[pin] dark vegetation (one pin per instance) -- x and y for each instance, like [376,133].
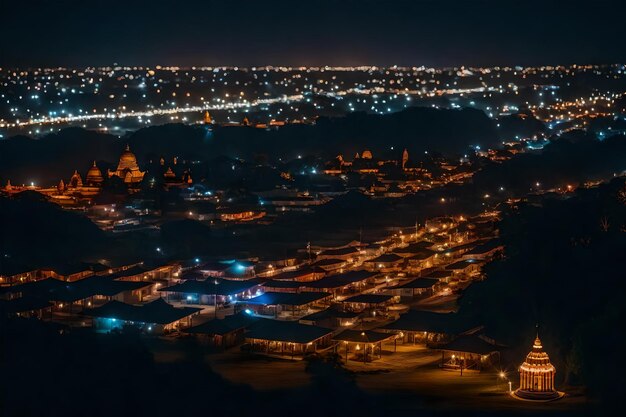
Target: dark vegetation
[563,269]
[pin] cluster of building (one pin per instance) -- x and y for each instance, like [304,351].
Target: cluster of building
[396,178]
[340,286]
[357,300]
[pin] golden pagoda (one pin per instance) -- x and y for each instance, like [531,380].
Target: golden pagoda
[127,168]
[94,176]
[536,376]
[207,118]
[169,175]
[76,181]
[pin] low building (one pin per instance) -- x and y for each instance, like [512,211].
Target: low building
[422,259]
[287,338]
[213,291]
[156,317]
[340,284]
[27,306]
[468,352]
[225,332]
[240,214]
[300,275]
[11,274]
[68,271]
[385,263]
[331,317]
[464,269]
[368,302]
[364,344]
[330,264]
[427,327]
[485,251]
[415,287]
[349,254]
[274,303]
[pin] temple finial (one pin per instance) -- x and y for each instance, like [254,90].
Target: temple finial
[537,343]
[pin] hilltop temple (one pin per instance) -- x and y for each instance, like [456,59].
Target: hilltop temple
[127,168]
[94,176]
[536,376]
[69,193]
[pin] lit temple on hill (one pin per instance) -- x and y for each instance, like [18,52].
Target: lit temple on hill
[536,376]
[66,193]
[127,168]
[94,176]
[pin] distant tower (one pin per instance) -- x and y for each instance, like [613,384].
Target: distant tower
[245,122]
[207,118]
[536,376]
[405,158]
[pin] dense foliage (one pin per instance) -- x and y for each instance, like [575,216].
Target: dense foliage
[563,269]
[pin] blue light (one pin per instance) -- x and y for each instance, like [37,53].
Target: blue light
[248,311]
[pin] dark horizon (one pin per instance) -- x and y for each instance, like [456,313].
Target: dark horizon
[349,33]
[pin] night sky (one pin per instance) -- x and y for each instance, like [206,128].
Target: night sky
[339,32]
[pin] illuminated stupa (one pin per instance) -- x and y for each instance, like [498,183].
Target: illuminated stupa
[536,376]
[76,181]
[127,168]
[94,176]
[169,175]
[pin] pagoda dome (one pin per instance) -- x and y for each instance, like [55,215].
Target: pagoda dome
[537,359]
[128,159]
[94,175]
[127,168]
[169,174]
